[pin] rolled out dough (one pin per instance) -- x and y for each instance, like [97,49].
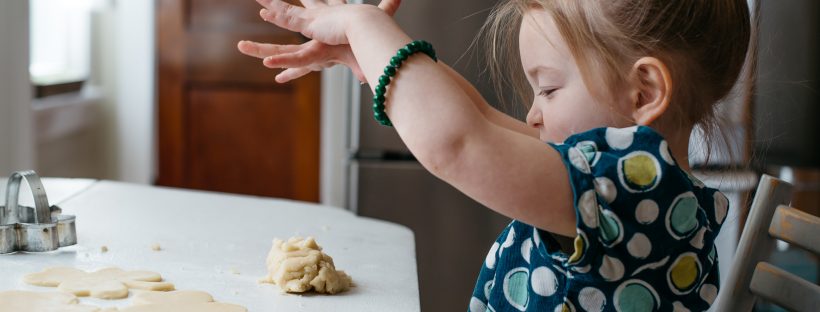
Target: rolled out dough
[179,301]
[299,265]
[108,283]
[19,300]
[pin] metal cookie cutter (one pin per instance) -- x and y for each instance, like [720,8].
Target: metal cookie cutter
[38,229]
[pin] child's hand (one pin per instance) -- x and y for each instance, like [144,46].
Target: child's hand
[313,55]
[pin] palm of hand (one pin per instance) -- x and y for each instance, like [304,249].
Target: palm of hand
[314,55]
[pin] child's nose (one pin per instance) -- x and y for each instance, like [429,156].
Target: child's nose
[534,117]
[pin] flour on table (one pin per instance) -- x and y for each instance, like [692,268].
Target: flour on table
[299,265]
[108,283]
[179,301]
[19,300]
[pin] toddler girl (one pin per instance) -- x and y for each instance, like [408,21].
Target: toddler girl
[615,89]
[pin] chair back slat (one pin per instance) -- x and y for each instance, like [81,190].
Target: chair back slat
[796,227]
[785,289]
[754,246]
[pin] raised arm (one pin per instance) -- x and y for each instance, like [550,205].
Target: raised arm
[514,174]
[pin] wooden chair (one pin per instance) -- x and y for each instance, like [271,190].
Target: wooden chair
[771,219]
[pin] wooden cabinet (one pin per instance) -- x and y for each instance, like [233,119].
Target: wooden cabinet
[224,124]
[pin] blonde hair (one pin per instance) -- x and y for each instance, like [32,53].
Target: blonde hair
[702,42]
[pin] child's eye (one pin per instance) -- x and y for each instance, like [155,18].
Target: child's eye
[547,92]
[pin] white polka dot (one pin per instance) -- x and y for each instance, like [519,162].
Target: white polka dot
[639,246]
[476,305]
[559,308]
[606,188]
[536,237]
[677,306]
[721,207]
[490,261]
[488,287]
[647,211]
[708,293]
[526,249]
[544,282]
[611,269]
[588,207]
[620,138]
[507,242]
[697,240]
[578,160]
[591,299]
[664,151]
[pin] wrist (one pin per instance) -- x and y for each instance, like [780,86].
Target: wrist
[365,17]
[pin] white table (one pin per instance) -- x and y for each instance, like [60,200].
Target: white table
[218,243]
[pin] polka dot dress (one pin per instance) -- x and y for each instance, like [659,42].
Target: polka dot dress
[645,236]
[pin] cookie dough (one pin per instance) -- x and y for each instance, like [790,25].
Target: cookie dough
[18,300]
[299,265]
[108,283]
[179,301]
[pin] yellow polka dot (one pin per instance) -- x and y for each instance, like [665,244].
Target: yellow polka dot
[640,170]
[580,245]
[685,272]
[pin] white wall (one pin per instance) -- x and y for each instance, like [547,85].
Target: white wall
[16,129]
[124,70]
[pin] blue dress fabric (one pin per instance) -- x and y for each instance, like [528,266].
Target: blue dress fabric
[645,235]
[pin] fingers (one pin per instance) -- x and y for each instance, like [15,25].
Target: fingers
[312,3]
[282,14]
[288,60]
[390,6]
[291,74]
[263,50]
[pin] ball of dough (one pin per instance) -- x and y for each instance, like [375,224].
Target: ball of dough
[299,265]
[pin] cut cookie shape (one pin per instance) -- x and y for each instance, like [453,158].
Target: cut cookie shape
[179,301]
[299,265]
[108,283]
[18,300]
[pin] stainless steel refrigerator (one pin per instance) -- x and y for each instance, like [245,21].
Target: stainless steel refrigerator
[453,232]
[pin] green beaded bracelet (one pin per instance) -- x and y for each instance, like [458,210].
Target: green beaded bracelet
[390,71]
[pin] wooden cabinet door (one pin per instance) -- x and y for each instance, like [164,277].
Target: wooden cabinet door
[224,124]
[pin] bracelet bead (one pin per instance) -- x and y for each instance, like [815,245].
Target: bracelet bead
[390,71]
[384,80]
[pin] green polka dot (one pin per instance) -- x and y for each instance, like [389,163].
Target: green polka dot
[610,228]
[636,296]
[682,216]
[515,288]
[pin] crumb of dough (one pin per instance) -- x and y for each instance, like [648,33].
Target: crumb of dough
[298,265]
[104,249]
[156,247]
[234,271]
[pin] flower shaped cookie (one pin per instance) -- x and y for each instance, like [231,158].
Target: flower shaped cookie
[109,283]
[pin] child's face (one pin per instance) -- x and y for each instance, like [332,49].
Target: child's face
[563,104]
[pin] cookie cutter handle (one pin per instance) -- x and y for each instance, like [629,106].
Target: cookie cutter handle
[42,213]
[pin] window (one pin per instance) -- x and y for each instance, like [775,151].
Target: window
[60,44]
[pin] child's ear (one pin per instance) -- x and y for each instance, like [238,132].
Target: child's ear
[651,90]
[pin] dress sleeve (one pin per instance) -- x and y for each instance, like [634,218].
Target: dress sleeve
[633,204]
